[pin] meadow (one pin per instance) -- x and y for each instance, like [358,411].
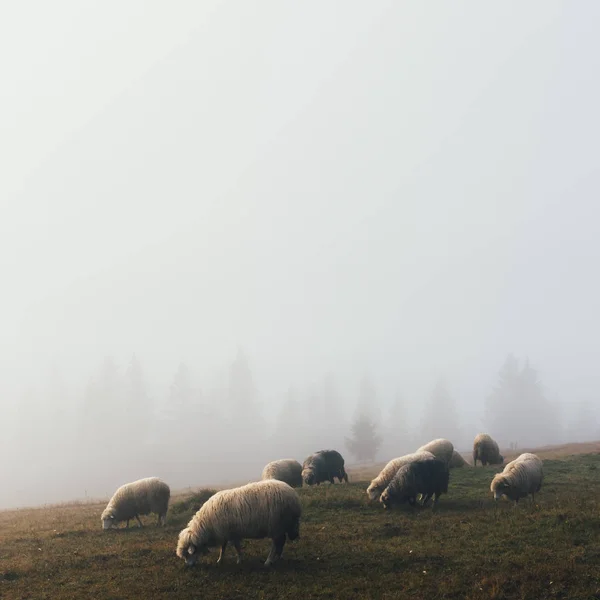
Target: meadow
[348,548]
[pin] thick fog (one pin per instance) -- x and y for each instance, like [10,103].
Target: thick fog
[232,232]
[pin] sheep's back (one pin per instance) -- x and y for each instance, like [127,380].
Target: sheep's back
[256,510]
[440,448]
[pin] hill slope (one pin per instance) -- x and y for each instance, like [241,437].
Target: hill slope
[469,548]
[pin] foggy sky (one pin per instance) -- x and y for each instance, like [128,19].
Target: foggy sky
[402,189]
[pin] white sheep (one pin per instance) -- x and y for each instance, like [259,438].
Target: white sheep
[387,473]
[521,477]
[440,448]
[485,449]
[268,508]
[286,469]
[142,497]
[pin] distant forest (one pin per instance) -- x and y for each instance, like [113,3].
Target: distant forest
[115,430]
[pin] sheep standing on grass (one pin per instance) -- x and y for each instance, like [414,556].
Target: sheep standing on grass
[440,448]
[324,466]
[257,510]
[457,461]
[521,477]
[485,449]
[428,477]
[387,473]
[142,497]
[286,469]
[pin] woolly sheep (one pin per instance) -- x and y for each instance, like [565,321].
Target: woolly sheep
[428,477]
[257,510]
[387,473]
[440,448]
[324,466]
[286,469]
[521,477]
[485,449]
[457,461]
[142,497]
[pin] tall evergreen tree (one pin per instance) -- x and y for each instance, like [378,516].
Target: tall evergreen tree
[440,417]
[399,439]
[517,410]
[365,441]
[138,409]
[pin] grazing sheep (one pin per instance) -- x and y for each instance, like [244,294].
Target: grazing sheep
[257,510]
[142,497]
[428,477]
[522,476]
[387,473]
[486,450]
[286,469]
[457,461]
[440,448]
[324,466]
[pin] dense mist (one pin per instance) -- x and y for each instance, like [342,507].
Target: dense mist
[234,232]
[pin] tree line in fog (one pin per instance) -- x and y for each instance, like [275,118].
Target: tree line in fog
[74,444]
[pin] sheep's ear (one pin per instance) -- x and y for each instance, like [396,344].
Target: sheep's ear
[191,549]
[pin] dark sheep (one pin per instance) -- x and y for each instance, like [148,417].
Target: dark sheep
[324,465]
[428,477]
[485,449]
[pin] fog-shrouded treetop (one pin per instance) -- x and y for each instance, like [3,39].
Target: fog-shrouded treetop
[288,196]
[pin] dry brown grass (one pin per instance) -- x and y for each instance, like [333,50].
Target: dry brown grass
[349,548]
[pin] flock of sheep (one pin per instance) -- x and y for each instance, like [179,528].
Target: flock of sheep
[271,508]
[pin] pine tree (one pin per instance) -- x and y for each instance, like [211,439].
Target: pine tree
[137,408]
[517,410]
[399,439]
[440,418]
[365,441]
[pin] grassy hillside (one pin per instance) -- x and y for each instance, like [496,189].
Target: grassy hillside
[348,548]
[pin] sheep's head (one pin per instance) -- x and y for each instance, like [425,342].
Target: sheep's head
[386,499]
[373,491]
[189,549]
[500,487]
[309,476]
[108,519]
[193,553]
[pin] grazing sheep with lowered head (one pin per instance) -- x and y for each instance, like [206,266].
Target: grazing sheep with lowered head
[286,469]
[521,477]
[257,510]
[485,449]
[142,497]
[387,473]
[324,466]
[428,477]
[440,448]
[457,461]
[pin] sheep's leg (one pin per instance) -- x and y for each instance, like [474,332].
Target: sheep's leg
[224,545]
[426,498]
[435,500]
[238,549]
[138,520]
[127,527]
[276,550]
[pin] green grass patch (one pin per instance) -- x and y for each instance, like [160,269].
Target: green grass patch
[469,548]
